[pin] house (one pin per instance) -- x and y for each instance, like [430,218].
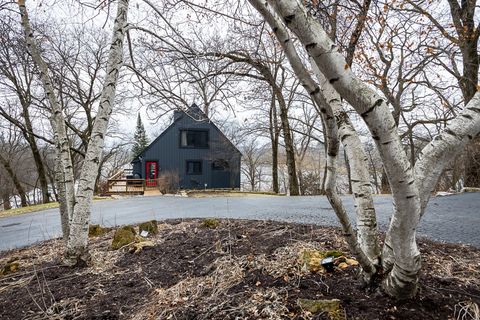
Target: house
[194,150]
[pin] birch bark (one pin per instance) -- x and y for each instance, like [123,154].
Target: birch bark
[403,278]
[77,250]
[330,109]
[400,255]
[438,153]
[57,120]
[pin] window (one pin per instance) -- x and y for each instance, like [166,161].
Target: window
[220,164]
[194,138]
[194,167]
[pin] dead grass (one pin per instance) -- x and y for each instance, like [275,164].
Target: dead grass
[23,210]
[38,207]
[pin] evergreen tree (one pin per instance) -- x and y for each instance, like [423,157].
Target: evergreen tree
[140,138]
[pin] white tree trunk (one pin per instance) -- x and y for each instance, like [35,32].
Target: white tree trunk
[360,176]
[56,119]
[402,280]
[61,191]
[440,151]
[366,219]
[77,250]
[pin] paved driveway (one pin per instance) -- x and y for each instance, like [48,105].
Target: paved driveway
[452,219]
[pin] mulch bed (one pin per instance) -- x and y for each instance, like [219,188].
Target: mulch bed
[239,270]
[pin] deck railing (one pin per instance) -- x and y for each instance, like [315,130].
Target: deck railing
[126,186]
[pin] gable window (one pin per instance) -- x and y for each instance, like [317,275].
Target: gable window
[194,138]
[194,167]
[220,164]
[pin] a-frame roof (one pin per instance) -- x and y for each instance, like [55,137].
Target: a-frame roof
[193,112]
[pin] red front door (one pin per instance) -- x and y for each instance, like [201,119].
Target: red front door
[151,174]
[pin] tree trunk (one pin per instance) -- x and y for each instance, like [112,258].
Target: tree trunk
[77,250]
[16,182]
[57,120]
[61,195]
[6,200]
[287,137]
[331,111]
[402,281]
[274,140]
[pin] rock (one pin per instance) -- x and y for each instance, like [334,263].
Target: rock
[311,260]
[95,230]
[331,307]
[211,223]
[150,226]
[470,189]
[123,236]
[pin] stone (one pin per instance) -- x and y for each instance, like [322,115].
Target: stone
[95,230]
[211,223]
[343,265]
[312,259]
[331,307]
[123,236]
[150,226]
[352,262]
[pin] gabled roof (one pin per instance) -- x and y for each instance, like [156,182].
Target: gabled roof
[197,114]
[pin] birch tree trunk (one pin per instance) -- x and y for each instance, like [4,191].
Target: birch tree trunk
[330,109]
[62,197]
[403,277]
[400,255]
[77,250]
[57,119]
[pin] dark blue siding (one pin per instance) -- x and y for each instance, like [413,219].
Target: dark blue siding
[166,151]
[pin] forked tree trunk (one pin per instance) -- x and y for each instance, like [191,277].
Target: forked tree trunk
[401,256]
[77,250]
[403,276]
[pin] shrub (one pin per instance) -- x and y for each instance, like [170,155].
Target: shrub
[168,182]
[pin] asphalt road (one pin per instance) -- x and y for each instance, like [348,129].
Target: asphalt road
[451,219]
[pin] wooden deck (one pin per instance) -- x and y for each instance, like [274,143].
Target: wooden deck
[126,186]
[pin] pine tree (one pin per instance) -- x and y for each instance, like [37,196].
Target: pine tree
[140,138]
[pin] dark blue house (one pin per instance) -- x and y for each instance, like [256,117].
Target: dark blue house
[194,150]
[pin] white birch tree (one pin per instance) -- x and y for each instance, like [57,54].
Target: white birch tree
[78,205]
[411,186]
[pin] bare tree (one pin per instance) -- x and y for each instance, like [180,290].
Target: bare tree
[78,211]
